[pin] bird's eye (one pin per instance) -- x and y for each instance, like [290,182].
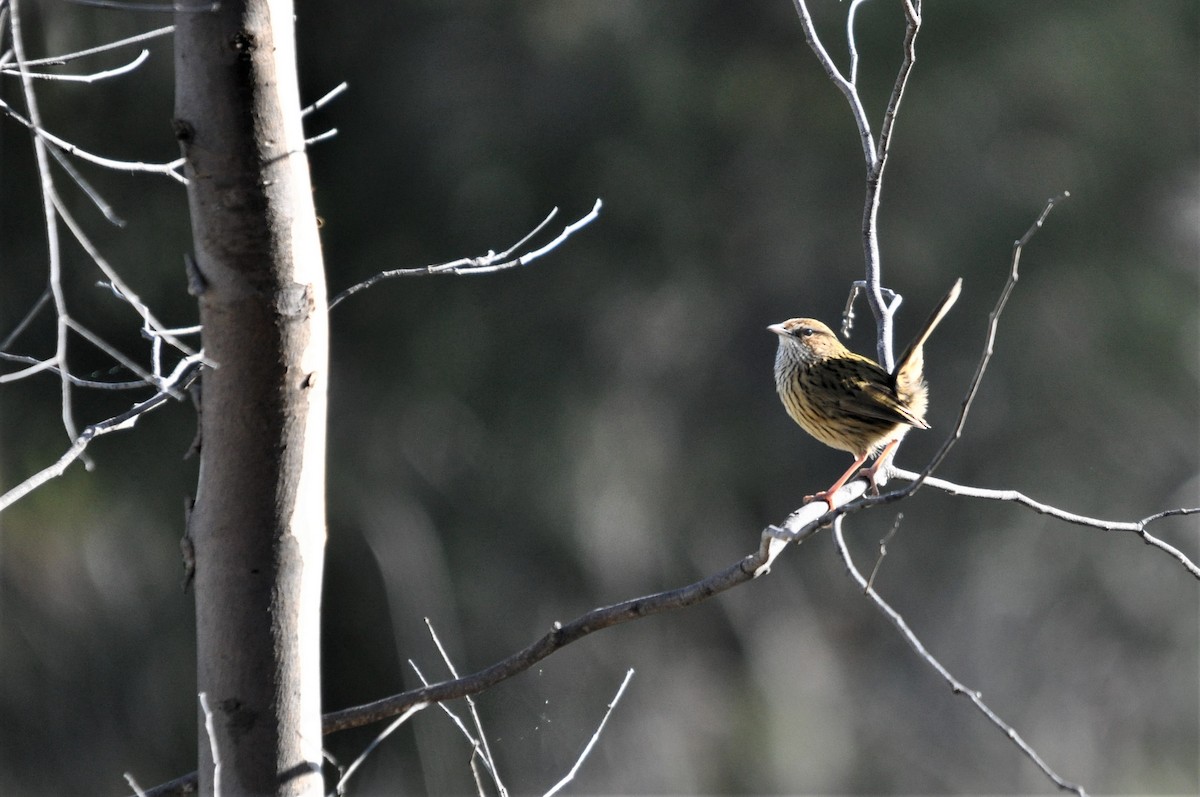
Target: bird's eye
[807,332]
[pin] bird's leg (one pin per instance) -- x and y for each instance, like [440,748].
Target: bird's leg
[827,495]
[881,461]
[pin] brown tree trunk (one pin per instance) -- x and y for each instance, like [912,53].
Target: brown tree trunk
[258,526]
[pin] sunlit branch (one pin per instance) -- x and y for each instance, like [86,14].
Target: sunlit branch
[1137,527]
[50,217]
[92,77]
[58,60]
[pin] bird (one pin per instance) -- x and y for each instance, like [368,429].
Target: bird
[848,401]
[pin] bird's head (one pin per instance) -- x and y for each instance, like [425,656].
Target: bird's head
[807,340]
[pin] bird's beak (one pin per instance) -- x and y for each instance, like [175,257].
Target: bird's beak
[778,329]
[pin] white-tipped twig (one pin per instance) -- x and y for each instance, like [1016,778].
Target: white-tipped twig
[91,77]
[570,776]
[484,264]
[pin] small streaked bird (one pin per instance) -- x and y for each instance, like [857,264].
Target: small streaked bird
[846,400]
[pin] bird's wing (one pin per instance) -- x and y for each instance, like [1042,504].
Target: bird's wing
[868,393]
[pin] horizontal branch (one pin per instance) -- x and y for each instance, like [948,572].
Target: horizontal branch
[740,572]
[1136,526]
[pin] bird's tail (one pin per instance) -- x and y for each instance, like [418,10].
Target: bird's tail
[912,362]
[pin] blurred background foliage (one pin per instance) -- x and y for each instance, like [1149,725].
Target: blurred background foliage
[511,450]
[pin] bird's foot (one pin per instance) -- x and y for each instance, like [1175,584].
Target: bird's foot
[824,495]
[871,474]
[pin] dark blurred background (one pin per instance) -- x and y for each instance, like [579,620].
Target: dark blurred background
[511,450]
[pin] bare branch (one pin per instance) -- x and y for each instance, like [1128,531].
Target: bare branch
[319,137]
[484,264]
[957,687]
[92,77]
[170,169]
[116,283]
[1137,527]
[847,87]
[183,375]
[883,543]
[37,366]
[559,637]
[740,572]
[58,60]
[105,209]
[111,351]
[874,154]
[53,244]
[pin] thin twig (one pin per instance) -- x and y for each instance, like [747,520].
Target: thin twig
[58,60]
[587,750]
[329,96]
[476,745]
[956,686]
[851,40]
[112,351]
[845,86]
[91,193]
[319,137]
[386,732]
[46,297]
[38,366]
[484,264]
[985,358]
[116,283]
[560,636]
[92,77]
[883,548]
[170,169]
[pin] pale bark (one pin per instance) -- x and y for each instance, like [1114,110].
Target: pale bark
[258,526]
